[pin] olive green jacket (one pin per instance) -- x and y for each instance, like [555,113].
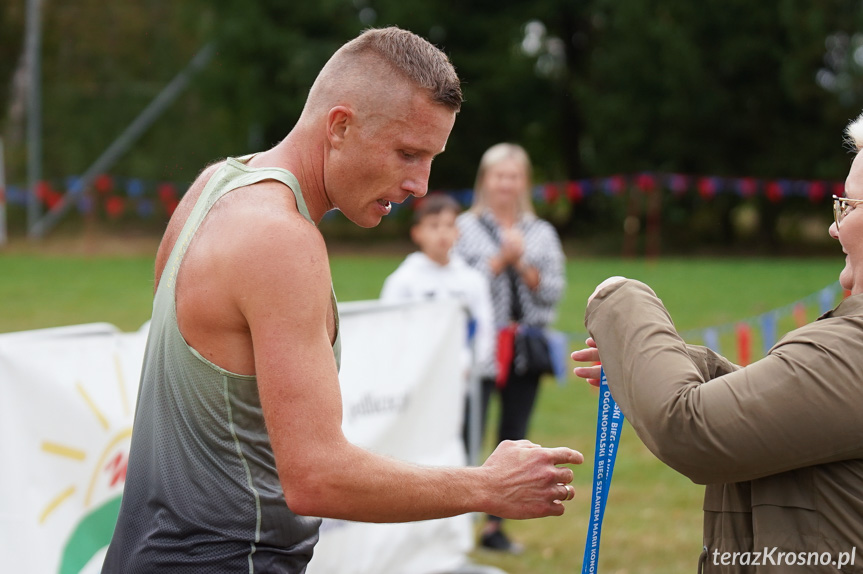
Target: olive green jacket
[778,443]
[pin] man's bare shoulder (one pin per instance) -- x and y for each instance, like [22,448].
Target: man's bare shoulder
[255,223]
[181,214]
[269,206]
[268,238]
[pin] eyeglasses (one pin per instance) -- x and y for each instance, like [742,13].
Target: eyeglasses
[842,206]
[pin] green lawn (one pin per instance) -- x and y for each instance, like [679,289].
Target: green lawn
[52,291]
[653,518]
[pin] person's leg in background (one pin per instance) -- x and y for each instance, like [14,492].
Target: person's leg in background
[487,388]
[516,406]
[517,399]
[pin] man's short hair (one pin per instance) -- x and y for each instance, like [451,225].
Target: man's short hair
[414,57]
[433,204]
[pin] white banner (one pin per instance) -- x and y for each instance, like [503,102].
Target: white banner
[68,398]
[403,388]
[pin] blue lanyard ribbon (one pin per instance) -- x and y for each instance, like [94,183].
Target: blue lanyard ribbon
[609,423]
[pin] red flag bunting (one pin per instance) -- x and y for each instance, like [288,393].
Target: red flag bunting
[744,344]
[551,193]
[706,187]
[773,191]
[103,184]
[574,191]
[47,194]
[817,190]
[800,315]
[167,192]
[114,206]
[646,183]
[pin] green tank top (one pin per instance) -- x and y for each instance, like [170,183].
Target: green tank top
[202,492]
[234,174]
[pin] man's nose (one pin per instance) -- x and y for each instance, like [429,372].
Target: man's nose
[418,185]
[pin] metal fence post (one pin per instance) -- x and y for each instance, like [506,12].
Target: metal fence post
[34,109]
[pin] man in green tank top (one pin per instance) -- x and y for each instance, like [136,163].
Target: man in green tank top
[237,441]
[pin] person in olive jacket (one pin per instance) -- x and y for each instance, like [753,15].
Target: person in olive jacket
[778,443]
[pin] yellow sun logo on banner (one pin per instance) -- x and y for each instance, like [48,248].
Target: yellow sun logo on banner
[100,496]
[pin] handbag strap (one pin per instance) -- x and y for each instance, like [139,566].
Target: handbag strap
[516,311]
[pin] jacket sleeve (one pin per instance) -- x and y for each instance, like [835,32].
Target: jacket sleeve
[797,407]
[473,244]
[548,259]
[395,289]
[710,363]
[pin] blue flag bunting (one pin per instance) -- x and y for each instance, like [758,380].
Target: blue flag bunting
[768,330]
[825,299]
[711,340]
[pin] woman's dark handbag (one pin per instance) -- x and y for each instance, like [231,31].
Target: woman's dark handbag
[532,354]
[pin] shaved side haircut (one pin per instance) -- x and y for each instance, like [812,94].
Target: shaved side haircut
[371,63]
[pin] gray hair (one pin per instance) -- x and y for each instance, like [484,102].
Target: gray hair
[854,134]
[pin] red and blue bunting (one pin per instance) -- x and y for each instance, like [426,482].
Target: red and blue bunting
[119,196]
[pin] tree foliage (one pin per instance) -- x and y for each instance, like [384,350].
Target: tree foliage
[592,88]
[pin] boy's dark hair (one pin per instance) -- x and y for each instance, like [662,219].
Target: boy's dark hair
[433,204]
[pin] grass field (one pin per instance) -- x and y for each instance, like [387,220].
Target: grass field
[653,519]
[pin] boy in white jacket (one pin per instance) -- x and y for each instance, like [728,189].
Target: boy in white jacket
[434,272]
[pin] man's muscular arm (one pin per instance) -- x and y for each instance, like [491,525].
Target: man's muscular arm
[282,288]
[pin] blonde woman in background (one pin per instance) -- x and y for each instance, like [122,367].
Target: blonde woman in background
[521,256]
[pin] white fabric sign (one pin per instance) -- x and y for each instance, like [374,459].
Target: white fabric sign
[403,389]
[67,399]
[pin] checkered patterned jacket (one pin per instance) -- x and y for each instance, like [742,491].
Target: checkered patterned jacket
[542,250]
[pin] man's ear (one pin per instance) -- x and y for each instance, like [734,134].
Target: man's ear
[338,120]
